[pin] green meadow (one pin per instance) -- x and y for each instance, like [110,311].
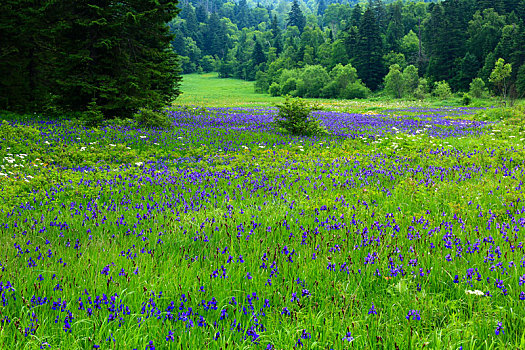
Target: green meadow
[401,229]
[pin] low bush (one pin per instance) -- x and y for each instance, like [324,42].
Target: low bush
[152,119]
[295,118]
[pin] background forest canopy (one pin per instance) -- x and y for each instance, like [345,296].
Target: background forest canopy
[320,48]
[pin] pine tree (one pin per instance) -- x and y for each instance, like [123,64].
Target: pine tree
[201,13]
[357,13]
[215,40]
[243,15]
[296,17]
[24,36]
[445,38]
[497,5]
[395,30]
[369,48]
[470,66]
[258,56]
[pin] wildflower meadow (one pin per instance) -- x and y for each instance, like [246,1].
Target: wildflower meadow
[402,228]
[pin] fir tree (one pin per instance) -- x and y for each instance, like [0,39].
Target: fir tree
[258,56]
[395,30]
[296,17]
[369,48]
[357,13]
[276,35]
[115,53]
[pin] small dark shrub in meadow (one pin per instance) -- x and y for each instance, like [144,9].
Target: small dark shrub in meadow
[466,99]
[294,117]
[152,119]
[93,115]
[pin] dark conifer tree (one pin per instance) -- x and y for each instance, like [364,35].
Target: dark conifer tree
[243,17]
[25,30]
[258,56]
[296,17]
[369,48]
[215,37]
[497,5]
[357,13]
[122,61]
[470,66]
[192,26]
[276,35]
[115,53]
[395,30]
[201,13]
[380,14]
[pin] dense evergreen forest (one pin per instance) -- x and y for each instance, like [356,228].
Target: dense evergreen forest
[330,49]
[108,58]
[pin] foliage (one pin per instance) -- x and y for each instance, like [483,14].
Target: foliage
[249,218]
[477,88]
[355,90]
[296,17]
[275,89]
[148,118]
[93,115]
[394,82]
[520,81]
[422,89]
[500,77]
[314,81]
[442,90]
[369,45]
[466,99]
[117,53]
[294,117]
[460,40]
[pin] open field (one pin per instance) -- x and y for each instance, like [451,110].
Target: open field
[402,229]
[208,90]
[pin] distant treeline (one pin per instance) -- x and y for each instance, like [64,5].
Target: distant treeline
[280,44]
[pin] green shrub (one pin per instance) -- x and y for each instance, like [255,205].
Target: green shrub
[93,115]
[442,90]
[274,89]
[288,86]
[294,117]
[315,78]
[477,88]
[356,90]
[152,119]
[466,99]
[422,89]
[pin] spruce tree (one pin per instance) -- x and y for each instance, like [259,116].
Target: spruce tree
[258,56]
[369,51]
[25,32]
[395,30]
[296,17]
[276,35]
[117,54]
[357,13]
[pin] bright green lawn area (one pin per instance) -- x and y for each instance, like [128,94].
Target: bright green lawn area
[209,90]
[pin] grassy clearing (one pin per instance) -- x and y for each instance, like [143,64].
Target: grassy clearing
[208,90]
[399,230]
